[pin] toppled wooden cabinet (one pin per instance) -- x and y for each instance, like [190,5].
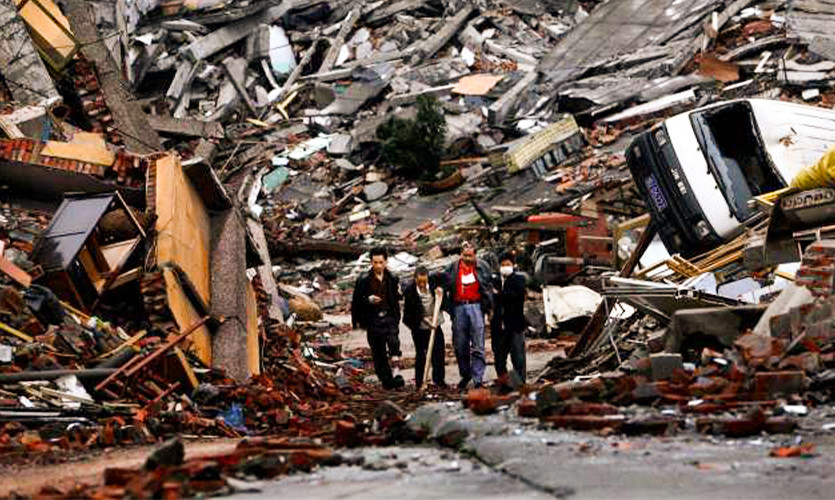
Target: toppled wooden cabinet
[87,246]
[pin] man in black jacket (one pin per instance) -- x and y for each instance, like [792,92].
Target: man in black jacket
[418,308]
[468,298]
[508,325]
[376,308]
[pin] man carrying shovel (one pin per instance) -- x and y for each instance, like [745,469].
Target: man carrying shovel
[421,313]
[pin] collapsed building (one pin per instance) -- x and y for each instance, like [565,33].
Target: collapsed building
[186,188]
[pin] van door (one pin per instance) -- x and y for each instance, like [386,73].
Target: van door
[736,156]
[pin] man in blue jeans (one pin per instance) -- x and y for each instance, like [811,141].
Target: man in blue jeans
[468,292]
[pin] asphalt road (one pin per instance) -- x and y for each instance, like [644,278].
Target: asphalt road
[510,457]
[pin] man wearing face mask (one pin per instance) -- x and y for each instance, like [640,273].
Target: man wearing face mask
[376,308]
[469,294]
[508,325]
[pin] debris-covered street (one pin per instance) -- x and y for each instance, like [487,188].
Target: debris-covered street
[417,248]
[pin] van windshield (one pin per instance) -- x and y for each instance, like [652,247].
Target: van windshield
[735,154]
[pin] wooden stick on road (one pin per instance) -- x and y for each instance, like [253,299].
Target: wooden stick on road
[435,315]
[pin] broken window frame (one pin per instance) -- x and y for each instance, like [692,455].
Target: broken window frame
[726,178]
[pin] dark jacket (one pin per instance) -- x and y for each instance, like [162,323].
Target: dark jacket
[485,285]
[362,311]
[413,311]
[509,304]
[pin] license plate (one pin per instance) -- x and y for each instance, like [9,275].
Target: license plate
[655,193]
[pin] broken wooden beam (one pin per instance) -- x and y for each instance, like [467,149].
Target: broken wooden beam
[684,57]
[17,333]
[402,99]
[133,370]
[11,270]
[182,81]
[297,71]
[265,270]
[339,40]
[235,69]
[758,46]
[436,42]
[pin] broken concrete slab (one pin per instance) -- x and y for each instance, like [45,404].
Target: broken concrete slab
[221,38]
[499,110]
[375,190]
[711,325]
[186,127]
[366,85]
[184,25]
[624,25]
[341,144]
[228,285]
[665,364]
[235,69]
[791,297]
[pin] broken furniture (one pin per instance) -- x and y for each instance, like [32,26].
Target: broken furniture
[87,247]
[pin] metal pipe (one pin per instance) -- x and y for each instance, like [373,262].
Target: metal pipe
[6,378]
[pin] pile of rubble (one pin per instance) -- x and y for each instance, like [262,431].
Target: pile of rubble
[187,186]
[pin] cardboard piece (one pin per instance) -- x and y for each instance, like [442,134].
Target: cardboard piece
[476,84]
[87,147]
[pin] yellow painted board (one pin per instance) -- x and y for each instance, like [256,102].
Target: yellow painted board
[186,315]
[183,228]
[85,146]
[48,33]
[190,376]
[253,345]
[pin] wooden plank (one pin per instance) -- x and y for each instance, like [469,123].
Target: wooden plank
[125,278]
[128,343]
[183,227]
[87,147]
[17,333]
[23,68]
[64,395]
[339,40]
[14,272]
[185,313]
[253,340]
[164,348]
[186,367]
[297,71]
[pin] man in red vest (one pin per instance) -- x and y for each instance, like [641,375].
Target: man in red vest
[468,291]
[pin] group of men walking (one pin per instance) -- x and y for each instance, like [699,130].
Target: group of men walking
[469,292]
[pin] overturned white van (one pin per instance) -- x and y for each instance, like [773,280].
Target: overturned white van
[697,170]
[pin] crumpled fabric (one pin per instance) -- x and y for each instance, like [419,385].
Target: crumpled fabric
[821,174]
